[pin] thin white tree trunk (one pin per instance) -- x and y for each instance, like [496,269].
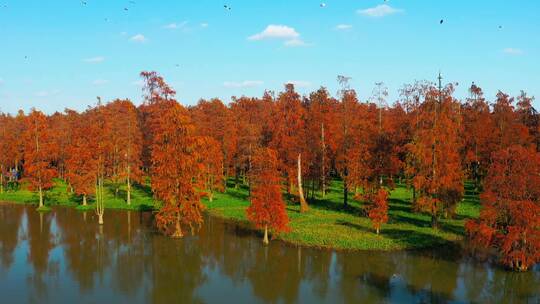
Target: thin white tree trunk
[265,239]
[303,204]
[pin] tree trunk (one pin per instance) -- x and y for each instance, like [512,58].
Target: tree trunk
[128,190]
[265,239]
[40,197]
[84,200]
[378,230]
[345,192]
[1,181]
[178,228]
[100,218]
[434,221]
[323,169]
[415,207]
[303,204]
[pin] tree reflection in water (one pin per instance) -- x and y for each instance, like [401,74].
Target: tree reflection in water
[64,256]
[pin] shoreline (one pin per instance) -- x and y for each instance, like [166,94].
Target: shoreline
[329,225]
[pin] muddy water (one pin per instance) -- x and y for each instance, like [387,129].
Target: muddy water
[64,257]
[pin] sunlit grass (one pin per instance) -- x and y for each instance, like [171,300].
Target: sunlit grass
[60,195]
[329,224]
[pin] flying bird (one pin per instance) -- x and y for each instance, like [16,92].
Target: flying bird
[500,27]
[83,2]
[225,6]
[126,9]
[441,22]
[322,5]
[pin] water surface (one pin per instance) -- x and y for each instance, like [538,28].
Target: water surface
[65,257]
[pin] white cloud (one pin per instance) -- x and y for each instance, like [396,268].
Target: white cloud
[295,43]
[173,26]
[138,38]
[100,82]
[204,25]
[98,59]
[513,51]
[379,11]
[273,31]
[243,84]
[47,93]
[343,27]
[299,83]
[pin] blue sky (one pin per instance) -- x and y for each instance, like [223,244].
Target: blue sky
[75,52]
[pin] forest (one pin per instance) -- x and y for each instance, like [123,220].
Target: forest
[287,150]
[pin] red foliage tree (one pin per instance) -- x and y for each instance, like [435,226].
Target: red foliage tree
[157,96]
[175,170]
[5,148]
[378,209]
[510,216]
[321,127]
[124,157]
[267,209]
[435,161]
[288,139]
[81,163]
[38,171]
[479,131]
[214,119]
[211,165]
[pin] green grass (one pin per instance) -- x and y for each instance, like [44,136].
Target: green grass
[329,224]
[59,195]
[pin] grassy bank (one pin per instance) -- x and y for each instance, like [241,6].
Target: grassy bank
[329,224]
[59,195]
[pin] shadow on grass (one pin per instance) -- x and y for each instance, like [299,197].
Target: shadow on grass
[144,188]
[414,239]
[237,194]
[415,221]
[456,229]
[352,225]
[328,204]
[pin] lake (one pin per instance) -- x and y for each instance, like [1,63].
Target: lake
[64,257]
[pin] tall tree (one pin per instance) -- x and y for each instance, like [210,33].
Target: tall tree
[509,129]
[175,170]
[5,160]
[157,95]
[212,118]
[126,144]
[288,139]
[378,209]
[267,209]
[434,154]
[510,218]
[321,127]
[352,147]
[479,139]
[211,165]
[38,171]
[81,162]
